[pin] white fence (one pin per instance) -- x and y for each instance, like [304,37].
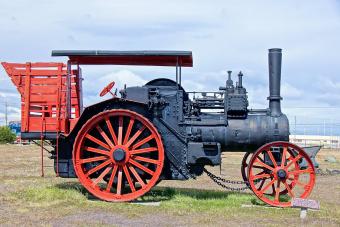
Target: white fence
[332,142]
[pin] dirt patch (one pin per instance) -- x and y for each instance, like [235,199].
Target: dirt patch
[100,218]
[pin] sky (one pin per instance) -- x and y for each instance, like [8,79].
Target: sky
[223,35]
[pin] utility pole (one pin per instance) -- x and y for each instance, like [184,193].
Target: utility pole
[6,113]
[295,127]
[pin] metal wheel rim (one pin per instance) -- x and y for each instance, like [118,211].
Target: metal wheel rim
[127,170]
[275,201]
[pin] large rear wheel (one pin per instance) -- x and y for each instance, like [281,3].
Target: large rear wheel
[118,155]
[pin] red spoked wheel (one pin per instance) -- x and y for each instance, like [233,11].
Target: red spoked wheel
[244,167]
[276,166]
[118,155]
[259,182]
[107,89]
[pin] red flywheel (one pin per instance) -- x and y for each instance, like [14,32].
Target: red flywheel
[275,175]
[118,155]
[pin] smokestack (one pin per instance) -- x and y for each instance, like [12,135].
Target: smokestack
[240,79]
[229,81]
[275,60]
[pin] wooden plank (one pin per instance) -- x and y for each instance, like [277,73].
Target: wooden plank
[38,72]
[44,89]
[50,80]
[43,98]
[35,124]
[47,64]
[27,97]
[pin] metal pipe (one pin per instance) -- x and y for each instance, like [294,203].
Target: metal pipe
[229,81]
[240,79]
[275,60]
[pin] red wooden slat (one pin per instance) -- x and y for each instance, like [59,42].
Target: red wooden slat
[36,72]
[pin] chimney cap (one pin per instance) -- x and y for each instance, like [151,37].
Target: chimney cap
[271,50]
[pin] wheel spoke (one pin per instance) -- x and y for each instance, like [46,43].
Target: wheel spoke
[273,189]
[141,167]
[127,174]
[268,185]
[283,160]
[95,159]
[128,131]
[259,176]
[139,179]
[291,193]
[293,161]
[143,150]
[263,164]
[120,130]
[309,170]
[262,183]
[98,167]
[258,167]
[271,158]
[143,159]
[135,136]
[140,143]
[96,150]
[106,138]
[277,191]
[119,182]
[97,141]
[113,174]
[101,176]
[112,132]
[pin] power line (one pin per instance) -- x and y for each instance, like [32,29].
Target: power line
[318,124]
[312,107]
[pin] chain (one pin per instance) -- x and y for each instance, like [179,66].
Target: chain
[221,182]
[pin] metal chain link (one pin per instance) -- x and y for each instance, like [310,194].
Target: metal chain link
[221,182]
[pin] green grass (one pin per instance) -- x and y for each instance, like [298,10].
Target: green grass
[207,206]
[176,201]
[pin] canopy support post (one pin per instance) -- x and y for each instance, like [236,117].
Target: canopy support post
[177,71]
[180,75]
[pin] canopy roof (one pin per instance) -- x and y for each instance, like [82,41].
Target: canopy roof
[108,57]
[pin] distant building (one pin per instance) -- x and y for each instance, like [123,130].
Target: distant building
[332,142]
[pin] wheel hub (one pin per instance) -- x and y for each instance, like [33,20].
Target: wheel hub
[119,155]
[281,174]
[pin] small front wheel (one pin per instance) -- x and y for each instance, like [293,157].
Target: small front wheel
[275,176]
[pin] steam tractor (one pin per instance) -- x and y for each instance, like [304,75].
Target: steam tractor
[121,147]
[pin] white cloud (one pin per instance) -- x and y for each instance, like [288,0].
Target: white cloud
[121,77]
[227,35]
[290,92]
